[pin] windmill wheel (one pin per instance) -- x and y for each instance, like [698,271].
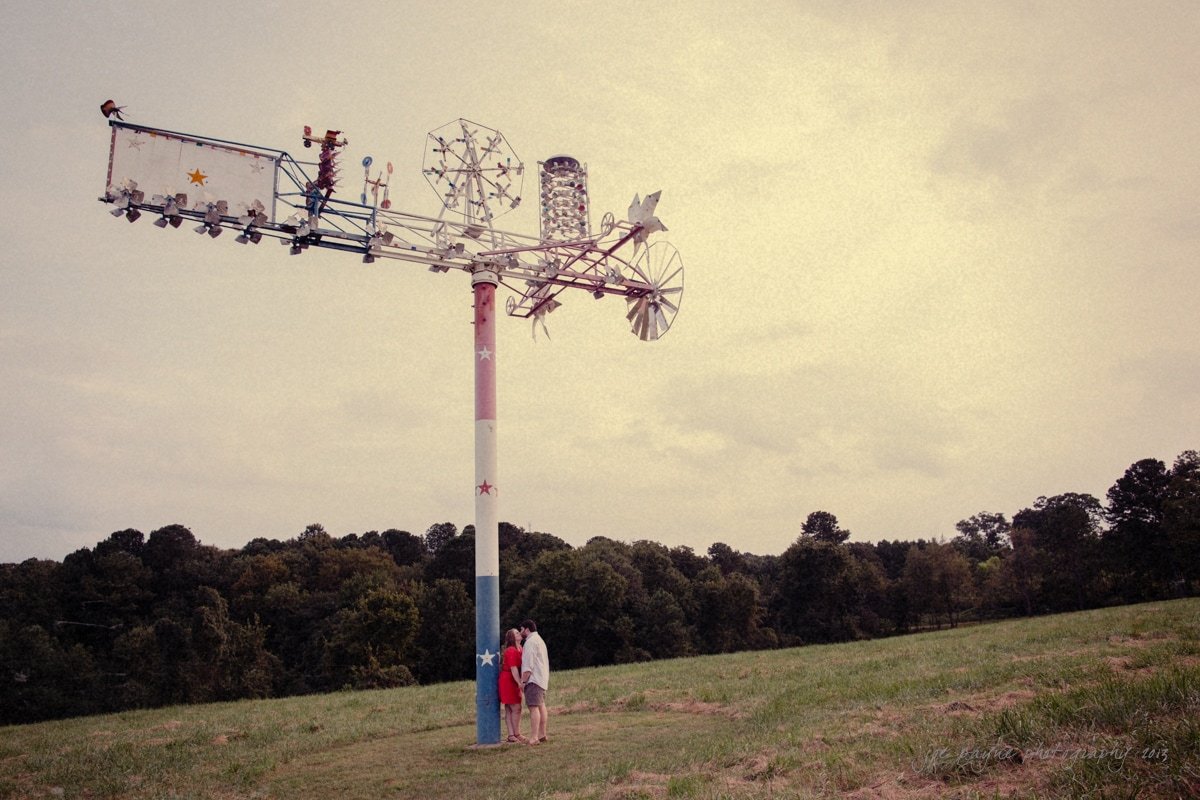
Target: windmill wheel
[652,310]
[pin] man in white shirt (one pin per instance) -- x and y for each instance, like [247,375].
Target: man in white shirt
[535,680]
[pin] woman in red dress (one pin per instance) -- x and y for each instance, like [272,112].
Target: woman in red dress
[510,685]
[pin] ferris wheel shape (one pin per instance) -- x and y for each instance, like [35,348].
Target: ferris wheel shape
[652,311]
[473,170]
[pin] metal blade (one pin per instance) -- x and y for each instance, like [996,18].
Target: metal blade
[661,319]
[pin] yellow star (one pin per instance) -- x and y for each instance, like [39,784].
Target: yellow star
[197,177]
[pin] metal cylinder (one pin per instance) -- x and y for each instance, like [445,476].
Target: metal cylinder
[564,199]
[487,526]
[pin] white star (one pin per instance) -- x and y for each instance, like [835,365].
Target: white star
[485,354]
[136,144]
[641,212]
[486,657]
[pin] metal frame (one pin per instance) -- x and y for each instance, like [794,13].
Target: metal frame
[537,271]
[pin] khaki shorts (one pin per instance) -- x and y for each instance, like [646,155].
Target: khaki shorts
[534,695]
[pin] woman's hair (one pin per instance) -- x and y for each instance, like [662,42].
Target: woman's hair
[511,637]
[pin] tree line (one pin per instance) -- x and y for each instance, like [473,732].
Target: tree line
[142,621]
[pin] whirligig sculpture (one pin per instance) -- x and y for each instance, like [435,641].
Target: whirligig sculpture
[265,193]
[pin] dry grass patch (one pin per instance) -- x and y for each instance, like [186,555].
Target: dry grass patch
[605,751]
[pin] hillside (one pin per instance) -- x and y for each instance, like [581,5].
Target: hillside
[1096,701]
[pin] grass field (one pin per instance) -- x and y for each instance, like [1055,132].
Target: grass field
[1096,704]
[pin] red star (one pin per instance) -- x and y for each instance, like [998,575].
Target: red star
[485,487]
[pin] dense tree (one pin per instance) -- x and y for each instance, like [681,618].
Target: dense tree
[142,621]
[228,660]
[581,597]
[1181,521]
[657,567]
[687,562]
[127,541]
[726,558]
[937,580]
[42,677]
[1066,531]
[455,560]
[404,548]
[32,592]
[982,536]
[316,536]
[817,598]
[892,556]
[731,612]
[662,628]
[369,643]
[1018,581]
[1137,546]
[437,535]
[823,527]
[874,613]
[446,644]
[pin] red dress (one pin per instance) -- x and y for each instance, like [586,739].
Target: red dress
[510,690]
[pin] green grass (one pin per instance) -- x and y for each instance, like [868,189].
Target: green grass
[1097,704]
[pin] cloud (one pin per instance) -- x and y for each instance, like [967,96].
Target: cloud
[1032,141]
[1168,380]
[939,258]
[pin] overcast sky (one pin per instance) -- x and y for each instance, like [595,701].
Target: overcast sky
[941,258]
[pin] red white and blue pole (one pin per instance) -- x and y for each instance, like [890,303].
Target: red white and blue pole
[487,520]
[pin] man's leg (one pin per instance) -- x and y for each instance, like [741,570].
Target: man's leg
[535,714]
[531,702]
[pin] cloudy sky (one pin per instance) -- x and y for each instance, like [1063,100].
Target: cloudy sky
[941,258]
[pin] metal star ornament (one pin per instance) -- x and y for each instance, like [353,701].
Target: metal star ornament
[641,213]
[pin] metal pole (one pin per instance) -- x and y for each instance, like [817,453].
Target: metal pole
[487,521]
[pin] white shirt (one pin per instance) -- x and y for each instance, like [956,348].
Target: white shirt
[536,661]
